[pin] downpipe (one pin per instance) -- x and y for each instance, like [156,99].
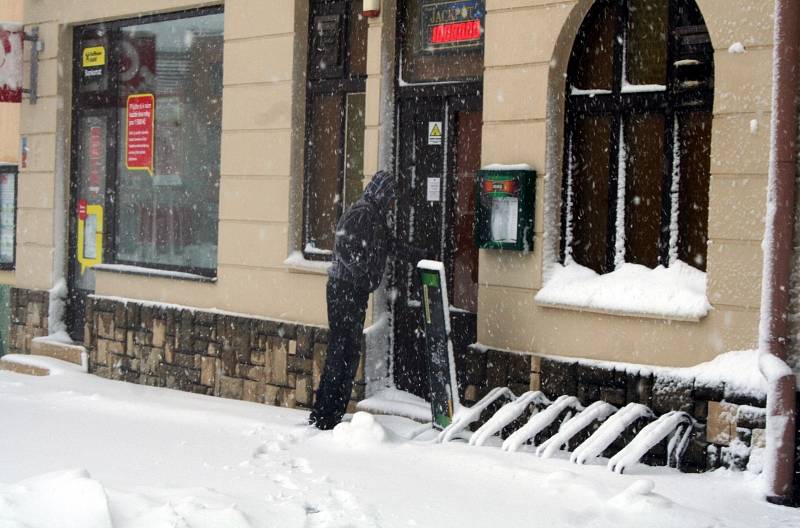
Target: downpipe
[779,461]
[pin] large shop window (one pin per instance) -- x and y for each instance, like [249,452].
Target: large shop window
[637,152]
[147,145]
[335,120]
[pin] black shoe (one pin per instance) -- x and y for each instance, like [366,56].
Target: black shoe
[322,425]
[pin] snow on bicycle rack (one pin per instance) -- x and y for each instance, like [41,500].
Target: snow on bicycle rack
[598,411]
[540,421]
[507,414]
[609,431]
[678,424]
[468,415]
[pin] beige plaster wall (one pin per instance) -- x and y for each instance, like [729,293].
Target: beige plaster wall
[527,47]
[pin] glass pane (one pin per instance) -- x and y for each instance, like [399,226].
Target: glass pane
[644,142]
[91,182]
[354,149]
[442,40]
[646,45]
[695,166]
[592,61]
[325,154]
[465,252]
[8,204]
[693,54]
[358,39]
[169,216]
[591,141]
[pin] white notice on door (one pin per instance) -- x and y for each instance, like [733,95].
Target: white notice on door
[434,189]
[434,132]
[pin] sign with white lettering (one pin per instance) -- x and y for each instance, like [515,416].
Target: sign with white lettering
[139,137]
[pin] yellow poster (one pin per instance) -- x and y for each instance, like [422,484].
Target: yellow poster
[94,57]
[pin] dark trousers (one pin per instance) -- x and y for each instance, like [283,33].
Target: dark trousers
[347,306]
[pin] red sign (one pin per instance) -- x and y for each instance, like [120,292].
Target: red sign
[500,186]
[139,135]
[10,63]
[82,206]
[96,158]
[456,32]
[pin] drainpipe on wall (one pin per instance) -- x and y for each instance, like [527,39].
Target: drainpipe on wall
[777,246]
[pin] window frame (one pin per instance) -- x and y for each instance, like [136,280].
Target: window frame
[320,86]
[12,169]
[618,106]
[107,101]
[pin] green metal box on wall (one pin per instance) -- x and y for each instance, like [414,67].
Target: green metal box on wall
[506,201]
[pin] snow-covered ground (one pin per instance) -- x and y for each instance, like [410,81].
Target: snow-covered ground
[84,452]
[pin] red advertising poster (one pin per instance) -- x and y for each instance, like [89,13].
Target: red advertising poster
[139,132]
[10,63]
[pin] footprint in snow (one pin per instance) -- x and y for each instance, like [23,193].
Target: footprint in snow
[284,481]
[301,465]
[270,448]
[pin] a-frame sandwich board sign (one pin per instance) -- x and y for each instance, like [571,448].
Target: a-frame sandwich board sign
[439,347]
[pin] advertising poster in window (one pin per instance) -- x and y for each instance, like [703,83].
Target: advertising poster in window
[10,63]
[139,132]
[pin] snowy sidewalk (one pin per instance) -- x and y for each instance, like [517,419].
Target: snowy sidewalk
[84,452]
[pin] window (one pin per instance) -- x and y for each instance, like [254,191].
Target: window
[638,136]
[335,116]
[148,95]
[8,215]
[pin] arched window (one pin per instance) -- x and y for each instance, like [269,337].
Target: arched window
[638,136]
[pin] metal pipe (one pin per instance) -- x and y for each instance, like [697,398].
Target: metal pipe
[777,245]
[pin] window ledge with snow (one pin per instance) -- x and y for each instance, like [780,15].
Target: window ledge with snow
[675,293]
[153,272]
[297,263]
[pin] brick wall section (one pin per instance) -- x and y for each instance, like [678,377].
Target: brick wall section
[28,318]
[264,361]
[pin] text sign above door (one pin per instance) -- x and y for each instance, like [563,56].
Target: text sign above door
[452,25]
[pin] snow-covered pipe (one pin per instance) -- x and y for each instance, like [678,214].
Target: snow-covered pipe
[777,246]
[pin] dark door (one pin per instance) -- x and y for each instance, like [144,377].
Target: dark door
[438,156]
[89,215]
[94,155]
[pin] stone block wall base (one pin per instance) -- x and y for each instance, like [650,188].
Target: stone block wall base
[255,360]
[29,309]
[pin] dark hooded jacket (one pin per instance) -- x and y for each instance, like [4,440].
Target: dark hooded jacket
[364,238]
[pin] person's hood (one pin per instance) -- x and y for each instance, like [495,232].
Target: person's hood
[381,190]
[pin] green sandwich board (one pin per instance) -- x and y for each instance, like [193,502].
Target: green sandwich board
[436,319]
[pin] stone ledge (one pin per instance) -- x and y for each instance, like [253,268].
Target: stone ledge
[21,368]
[56,350]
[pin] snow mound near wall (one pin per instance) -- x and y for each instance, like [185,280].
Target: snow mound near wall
[361,431]
[72,499]
[739,370]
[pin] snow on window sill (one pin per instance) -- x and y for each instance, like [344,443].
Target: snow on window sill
[676,293]
[152,272]
[297,263]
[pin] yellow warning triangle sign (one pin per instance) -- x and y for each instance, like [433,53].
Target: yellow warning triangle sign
[436,131]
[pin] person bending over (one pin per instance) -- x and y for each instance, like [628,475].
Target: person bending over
[363,241]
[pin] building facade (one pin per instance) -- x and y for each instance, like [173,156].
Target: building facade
[187,163]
